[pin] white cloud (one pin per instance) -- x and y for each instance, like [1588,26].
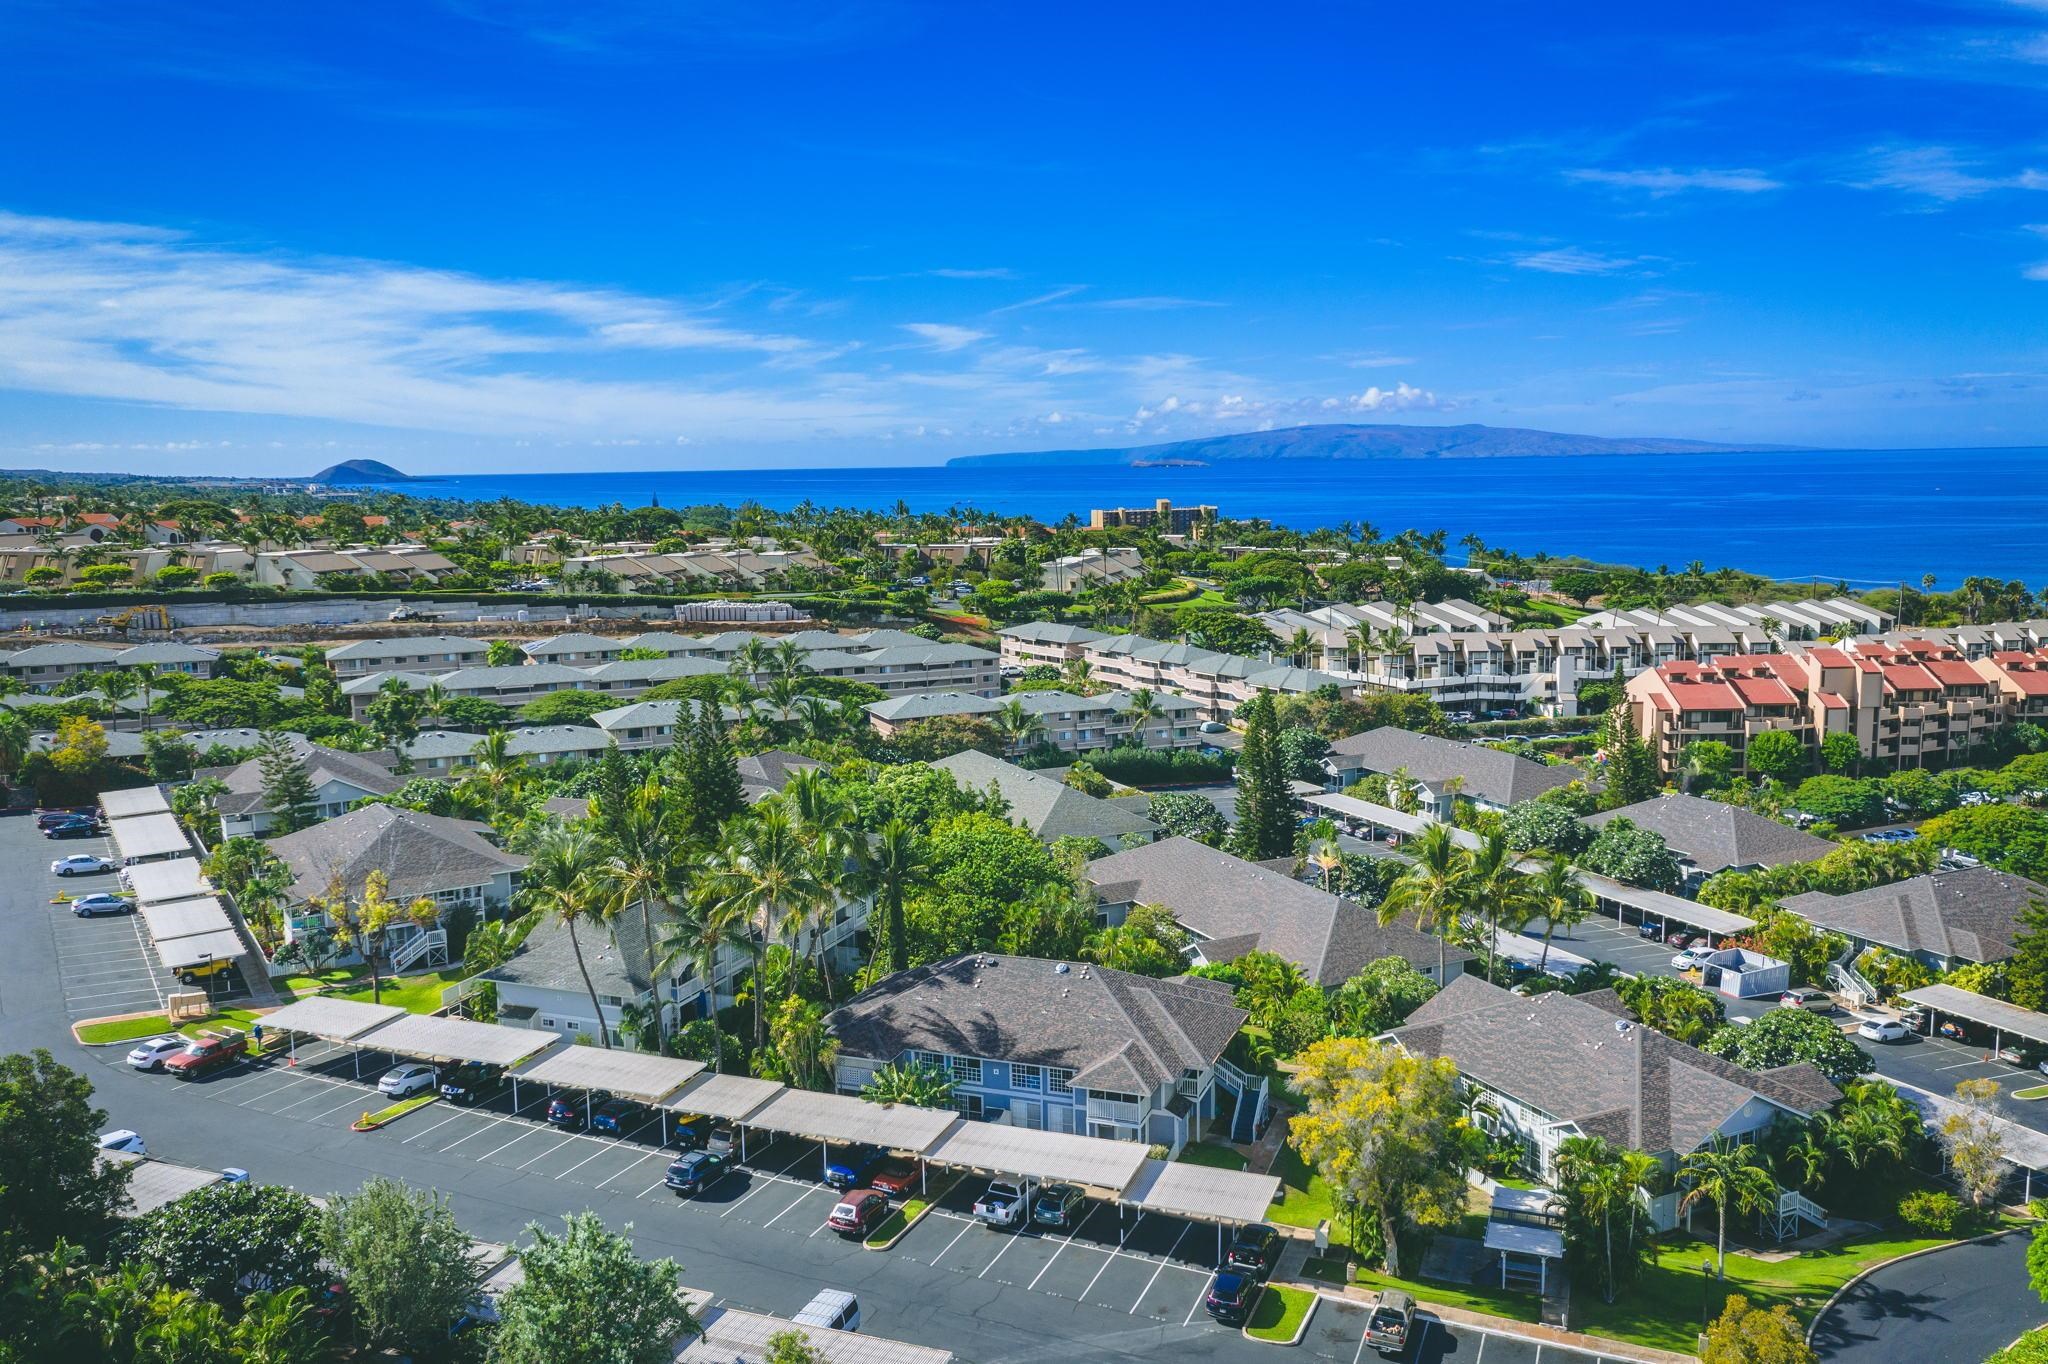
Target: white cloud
[1938,173]
[1664,180]
[2038,271]
[1572,260]
[1376,361]
[944,336]
[1402,397]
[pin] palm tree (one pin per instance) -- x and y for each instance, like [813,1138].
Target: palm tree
[767,872]
[817,718]
[1726,1175]
[565,880]
[434,701]
[706,927]
[1497,890]
[1563,901]
[822,813]
[117,685]
[496,772]
[1019,727]
[1432,889]
[1141,708]
[750,660]
[649,835]
[1075,674]
[1806,1158]
[1328,857]
[14,741]
[892,864]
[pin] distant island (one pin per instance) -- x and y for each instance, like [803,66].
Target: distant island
[359,471]
[1361,441]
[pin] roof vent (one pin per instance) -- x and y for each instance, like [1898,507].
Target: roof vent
[1059,968]
[1622,1026]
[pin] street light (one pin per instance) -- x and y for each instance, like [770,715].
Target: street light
[1706,1290]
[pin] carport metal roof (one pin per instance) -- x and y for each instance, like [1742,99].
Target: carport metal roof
[154,1183]
[220,945]
[149,836]
[1202,1193]
[2024,1146]
[838,1118]
[733,1098]
[156,883]
[1700,916]
[431,1037]
[142,800]
[1387,817]
[1992,1013]
[642,1075]
[331,1020]
[1518,1238]
[185,919]
[997,1148]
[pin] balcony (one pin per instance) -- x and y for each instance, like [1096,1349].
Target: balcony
[1115,1111]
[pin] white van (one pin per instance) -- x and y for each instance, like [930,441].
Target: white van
[834,1309]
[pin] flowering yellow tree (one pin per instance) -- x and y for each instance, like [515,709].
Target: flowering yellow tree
[1387,1131]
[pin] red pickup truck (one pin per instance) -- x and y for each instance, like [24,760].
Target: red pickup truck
[209,1052]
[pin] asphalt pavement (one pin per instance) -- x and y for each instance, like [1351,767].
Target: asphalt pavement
[1961,1304]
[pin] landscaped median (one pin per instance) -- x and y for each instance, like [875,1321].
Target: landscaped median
[903,1218]
[105,1032]
[1281,1315]
[370,1122]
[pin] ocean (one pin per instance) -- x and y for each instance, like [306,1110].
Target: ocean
[1866,517]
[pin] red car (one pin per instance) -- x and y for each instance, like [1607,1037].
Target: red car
[896,1178]
[859,1212]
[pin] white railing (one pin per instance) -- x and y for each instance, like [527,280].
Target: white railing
[421,946]
[1116,1111]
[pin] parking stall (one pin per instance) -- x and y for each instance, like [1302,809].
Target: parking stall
[642,1077]
[146,838]
[726,1098]
[837,1120]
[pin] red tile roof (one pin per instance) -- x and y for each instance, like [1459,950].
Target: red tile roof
[1764,691]
[1953,672]
[1829,658]
[1830,701]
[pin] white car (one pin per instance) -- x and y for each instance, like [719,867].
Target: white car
[121,1139]
[409,1079]
[83,864]
[152,1054]
[1684,961]
[1881,1030]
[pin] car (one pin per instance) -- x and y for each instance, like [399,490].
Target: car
[1881,1030]
[858,1212]
[78,828]
[1684,961]
[472,1082]
[89,906]
[848,1167]
[409,1079]
[1057,1205]
[1807,998]
[151,1054]
[896,1178]
[1214,727]
[1256,1248]
[81,864]
[208,1052]
[695,1171]
[46,818]
[1386,1330]
[1004,1203]
[1679,938]
[833,1309]
[200,970]
[615,1118]
[1230,1296]
[1646,929]
[2025,1055]
[688,1130]
[570,1110]
[121,1139]
[722,1140]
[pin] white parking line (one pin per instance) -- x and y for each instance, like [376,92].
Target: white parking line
[458,1113]
[612,1146]
[273,1093]
[616,1173]
[550,1151]
[1122,1237]
[956,1241]
[1202,1296]
[1162,1268]
[779,1216]
[760,1181]
[350,1102]
[1015,1237]
[492,1152]
[1068,1240]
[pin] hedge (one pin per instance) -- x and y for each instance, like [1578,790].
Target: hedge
[1147,767]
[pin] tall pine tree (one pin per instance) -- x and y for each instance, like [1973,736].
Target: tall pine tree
[1631,767]
[287,790]
[1265,806]
[712,770]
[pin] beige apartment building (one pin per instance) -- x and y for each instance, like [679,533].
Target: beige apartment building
[1162,513]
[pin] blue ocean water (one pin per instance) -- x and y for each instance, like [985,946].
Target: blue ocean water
[1867,517]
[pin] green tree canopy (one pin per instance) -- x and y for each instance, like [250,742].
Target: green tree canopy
[1636,855]
[223,1240]
[1782,1037]
[588,1299]
[52,1181]
[409,1267]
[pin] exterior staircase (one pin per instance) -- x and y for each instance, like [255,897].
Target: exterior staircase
[1845,980]
[1793,1208]
[428,947]
[1252,1101]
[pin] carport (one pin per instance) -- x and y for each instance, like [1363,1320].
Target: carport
[1363,816]
[1666,909]
[145,837]
[340,1021]
[1202,1193]
[159,883]
[198,949]
[434,1038]
[185,919]
[140,800]
[642,1076]
[1995,1014]
[1102,1168]
[154,1183]
[836,1119]
[726,1098]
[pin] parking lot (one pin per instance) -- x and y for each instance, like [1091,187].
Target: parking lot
[1337,1333]
[104,964]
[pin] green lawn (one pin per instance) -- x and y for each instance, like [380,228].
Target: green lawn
[2032,1092]
[1497,1302]
[401,1108]
[419,994]
[155,1025]
[1279,1313]
[1211,1154]
[1304,1198]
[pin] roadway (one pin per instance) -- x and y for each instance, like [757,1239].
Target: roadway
[1964,1303]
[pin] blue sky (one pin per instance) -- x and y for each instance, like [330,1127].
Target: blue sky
[504,234]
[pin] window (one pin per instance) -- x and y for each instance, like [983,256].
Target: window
[969,1105]
[1059,1081]
[966,1070]
[1027,1077]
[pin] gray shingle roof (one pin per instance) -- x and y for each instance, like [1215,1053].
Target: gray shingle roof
[925,705]
[409,646]
[1045,632]
[1970,914]
[1117,1032]
[1578,1060]
[166,651]
[1238,907]
[1489,773]
[1715,836]
[369,773]
[763,774]
[420,853]
[547,961]
[1051,809]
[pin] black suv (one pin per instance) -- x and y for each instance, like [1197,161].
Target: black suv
[472,1082]
[1230,1297]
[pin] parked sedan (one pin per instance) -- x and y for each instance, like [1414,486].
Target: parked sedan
[896,1178]
[1881,1030]
[81,864]
[1685,961]
[90,906]
[859,1212]
[848,1166]
[571,1110]
[409,1079]
[1230,1296]
[152,1054]
[77,828]
[472,1082]
[1255,1249]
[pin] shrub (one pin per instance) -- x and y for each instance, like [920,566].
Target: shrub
[1143,767]
[1931,1213]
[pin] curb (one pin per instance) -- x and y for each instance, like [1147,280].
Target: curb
[370,1122]
[1608,1347]
[1315,1300]
[1843,1291]
[931,1202]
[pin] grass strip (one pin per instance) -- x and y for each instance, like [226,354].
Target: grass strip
[156,1025]
[370,1122]
[896,1223]
[1327,1269]
[2035,1092]
[1279,1314]
[1210,1154]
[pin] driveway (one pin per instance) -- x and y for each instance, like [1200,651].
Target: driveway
[1963,1304]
